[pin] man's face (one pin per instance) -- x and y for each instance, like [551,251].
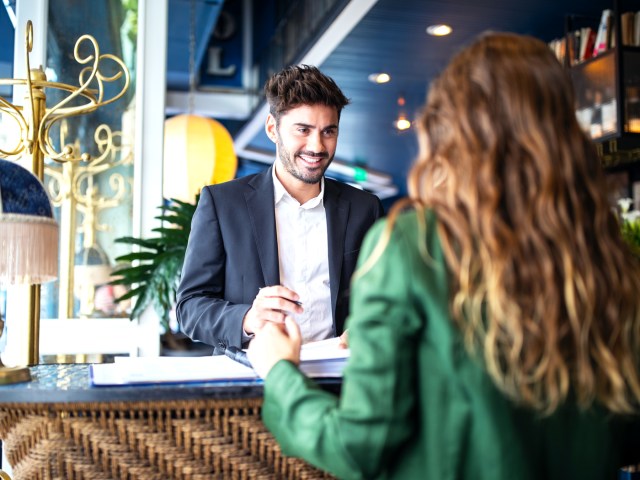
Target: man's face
[306,140]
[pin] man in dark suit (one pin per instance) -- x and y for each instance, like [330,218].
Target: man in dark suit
[282,242]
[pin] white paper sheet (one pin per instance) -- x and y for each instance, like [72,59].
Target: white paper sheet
[322,359]
[139,370]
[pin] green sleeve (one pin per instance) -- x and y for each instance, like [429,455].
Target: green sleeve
[358,434]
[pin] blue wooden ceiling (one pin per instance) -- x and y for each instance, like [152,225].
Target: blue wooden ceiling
[206,13]
[390,38]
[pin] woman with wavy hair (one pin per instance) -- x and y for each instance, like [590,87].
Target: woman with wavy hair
[495,325]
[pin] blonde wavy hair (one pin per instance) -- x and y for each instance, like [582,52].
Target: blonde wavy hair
[542,283]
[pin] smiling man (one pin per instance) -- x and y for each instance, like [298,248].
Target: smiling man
[282,242]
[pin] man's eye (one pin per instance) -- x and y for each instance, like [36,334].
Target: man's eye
[303,130]
[330,133]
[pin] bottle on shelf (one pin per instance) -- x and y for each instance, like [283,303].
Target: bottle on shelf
[596,116]
[584,111]
[632,112]
[609,112]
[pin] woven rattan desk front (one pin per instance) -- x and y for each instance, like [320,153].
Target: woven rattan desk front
[59,427]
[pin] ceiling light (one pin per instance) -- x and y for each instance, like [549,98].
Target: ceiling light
[439,30]
[402,123]
[379,77]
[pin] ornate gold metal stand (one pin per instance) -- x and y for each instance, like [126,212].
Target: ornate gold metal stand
[34,121]
[73,187]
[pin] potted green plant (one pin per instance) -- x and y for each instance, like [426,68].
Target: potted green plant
[630,225]
[152,272]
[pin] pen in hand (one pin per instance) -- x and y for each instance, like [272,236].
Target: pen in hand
[297,302]
[238,355]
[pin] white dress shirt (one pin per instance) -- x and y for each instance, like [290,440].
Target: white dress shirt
[303,251]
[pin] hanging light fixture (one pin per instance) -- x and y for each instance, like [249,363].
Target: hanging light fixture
[439,30]
[379,78]
[198,150]
[401,123]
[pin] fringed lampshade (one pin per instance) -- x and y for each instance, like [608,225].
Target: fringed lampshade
[28,240]
[28,231]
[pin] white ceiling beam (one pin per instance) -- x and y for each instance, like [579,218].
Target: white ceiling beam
[326,44]
[10,13]
[378,183]
[220,105]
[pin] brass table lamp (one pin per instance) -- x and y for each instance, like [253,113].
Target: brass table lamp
[28,239]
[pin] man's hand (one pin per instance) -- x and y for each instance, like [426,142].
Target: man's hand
[271,305]
[272,344]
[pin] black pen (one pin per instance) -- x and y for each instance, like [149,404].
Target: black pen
[240,356]
[297,302]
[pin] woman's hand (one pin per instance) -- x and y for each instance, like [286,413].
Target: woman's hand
[271,344]
[271,305]
[344,340]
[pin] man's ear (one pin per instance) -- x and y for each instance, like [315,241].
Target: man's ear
[270,128]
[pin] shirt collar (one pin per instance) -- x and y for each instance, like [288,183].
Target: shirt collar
[280,193]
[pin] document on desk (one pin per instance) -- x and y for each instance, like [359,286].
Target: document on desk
[322,359]
[141,370]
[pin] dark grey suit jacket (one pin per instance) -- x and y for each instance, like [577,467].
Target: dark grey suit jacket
[233,251]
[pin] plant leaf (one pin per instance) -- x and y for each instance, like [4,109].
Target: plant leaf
[130,257]
[151,243]
[156,274]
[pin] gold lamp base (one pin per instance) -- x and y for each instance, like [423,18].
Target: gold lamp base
[14,375]
[10,375]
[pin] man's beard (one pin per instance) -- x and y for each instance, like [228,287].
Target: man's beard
[288,161]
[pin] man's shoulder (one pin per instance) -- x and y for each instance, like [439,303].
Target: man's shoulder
[358,198]
[349,191]
[236,185]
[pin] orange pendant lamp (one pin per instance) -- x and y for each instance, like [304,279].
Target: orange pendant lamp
[198,151]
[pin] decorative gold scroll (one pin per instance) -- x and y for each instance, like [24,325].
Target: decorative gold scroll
[90,93]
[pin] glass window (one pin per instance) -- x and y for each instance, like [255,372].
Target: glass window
[92,195]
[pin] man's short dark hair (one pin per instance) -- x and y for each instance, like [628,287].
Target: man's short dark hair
[302,85]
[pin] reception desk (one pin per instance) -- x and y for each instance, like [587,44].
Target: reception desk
[60,427]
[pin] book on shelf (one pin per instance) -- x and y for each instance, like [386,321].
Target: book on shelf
[603,37]
[627,22]
[587,41]
[324,359]
[636,29]
[575,47]
[584,43]
[557,46]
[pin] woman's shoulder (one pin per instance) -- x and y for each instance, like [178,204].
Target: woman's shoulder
[407,223]
[410,234]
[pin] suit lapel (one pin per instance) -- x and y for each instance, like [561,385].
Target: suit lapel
[263,222]
[337,212]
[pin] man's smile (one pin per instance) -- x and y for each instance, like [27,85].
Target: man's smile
[311,159]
